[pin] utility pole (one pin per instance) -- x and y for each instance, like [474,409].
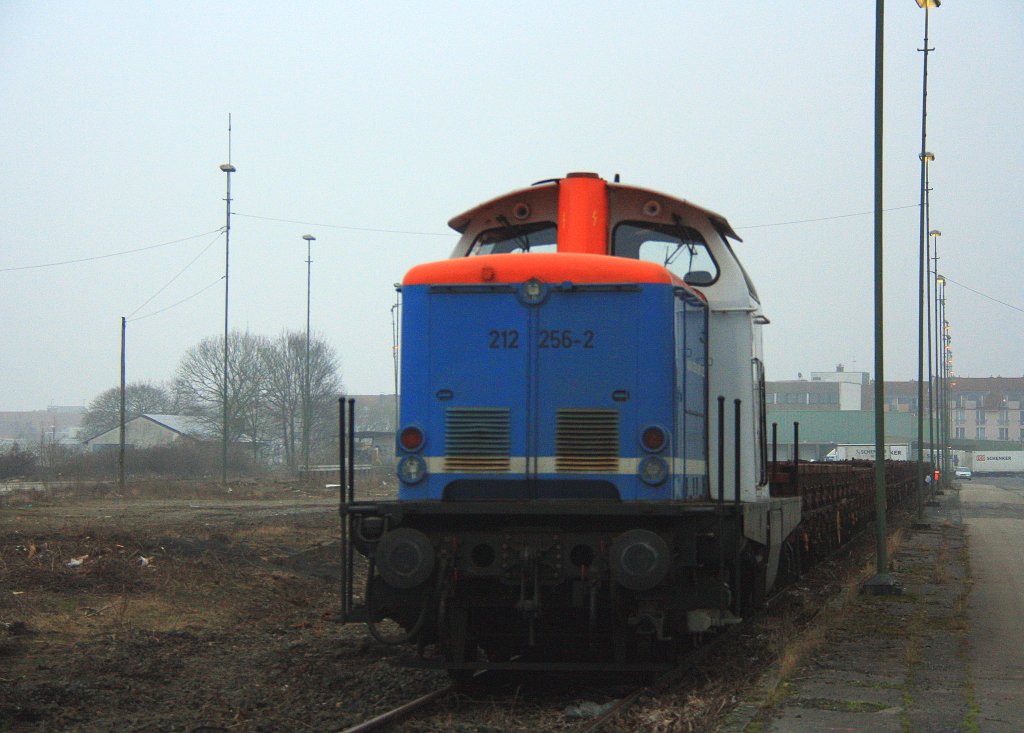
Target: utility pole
[925,157]
[881,583]
[306,402]
[934,375]
[120,453]
[228,169]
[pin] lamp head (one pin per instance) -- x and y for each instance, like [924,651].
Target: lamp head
[935,233]
[227,168]
[309,237]
[927,156]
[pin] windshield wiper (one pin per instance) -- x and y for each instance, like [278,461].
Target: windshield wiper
[523,240]
[684,241]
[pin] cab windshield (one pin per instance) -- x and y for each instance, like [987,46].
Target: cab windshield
[680,249]
[534,237]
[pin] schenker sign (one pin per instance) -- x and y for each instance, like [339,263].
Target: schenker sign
[1003,461]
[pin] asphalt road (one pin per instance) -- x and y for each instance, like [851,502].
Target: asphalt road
[993,509]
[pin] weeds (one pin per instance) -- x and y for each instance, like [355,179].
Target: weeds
[940,570]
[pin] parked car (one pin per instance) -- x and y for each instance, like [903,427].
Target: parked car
[964,473]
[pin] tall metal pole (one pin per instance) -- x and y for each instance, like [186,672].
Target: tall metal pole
[922,280]
[120,454]
[306,409]
[928,347]
[882,564]
[228,170]
[933,378]
[940,355]
[943,376]
[941,379]
[946,374]
[881,582]
[925,157]
[938,365]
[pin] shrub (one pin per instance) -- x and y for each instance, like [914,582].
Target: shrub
[16,463]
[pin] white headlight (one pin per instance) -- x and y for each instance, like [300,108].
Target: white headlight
[653,470]
[412,469]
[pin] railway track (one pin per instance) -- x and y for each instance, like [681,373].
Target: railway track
[399,713]
[662,682]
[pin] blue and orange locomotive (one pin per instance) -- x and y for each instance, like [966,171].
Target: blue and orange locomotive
[582,447]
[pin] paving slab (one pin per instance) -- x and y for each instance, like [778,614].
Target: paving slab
[888,662]
[993,510]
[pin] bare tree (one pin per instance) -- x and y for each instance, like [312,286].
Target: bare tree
[266,387]
[325,389]
[104,412]
[286,363]
[199,382]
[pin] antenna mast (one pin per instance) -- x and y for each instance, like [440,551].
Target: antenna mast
[228,170]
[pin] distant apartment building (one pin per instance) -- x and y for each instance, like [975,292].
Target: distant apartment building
[989,408]
[980,408]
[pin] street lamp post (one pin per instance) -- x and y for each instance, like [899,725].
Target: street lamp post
[922,262]
[944,393]
[922,268]
[934,374]
[306,406]
[228,170]
[121,411]
[881,582]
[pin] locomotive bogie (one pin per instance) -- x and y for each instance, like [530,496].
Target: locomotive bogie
[662,574]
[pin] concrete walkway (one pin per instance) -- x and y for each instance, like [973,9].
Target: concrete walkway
[994,513]
[905,662]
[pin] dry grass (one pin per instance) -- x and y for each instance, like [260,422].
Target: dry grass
[76,564]
[912,656]
[940,570]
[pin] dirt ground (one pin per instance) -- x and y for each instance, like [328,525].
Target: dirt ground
[182,607]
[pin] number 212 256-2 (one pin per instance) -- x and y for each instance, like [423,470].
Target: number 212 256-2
[547,338]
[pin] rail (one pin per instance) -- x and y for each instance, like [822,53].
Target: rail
[402,711]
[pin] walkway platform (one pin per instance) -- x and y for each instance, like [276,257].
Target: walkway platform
[906,662]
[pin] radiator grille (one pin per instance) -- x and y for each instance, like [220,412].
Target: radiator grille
[587,440]
[477,439]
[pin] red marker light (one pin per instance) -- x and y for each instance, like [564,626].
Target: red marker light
[411,438]
[653,438]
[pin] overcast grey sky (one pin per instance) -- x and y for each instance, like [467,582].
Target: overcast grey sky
[377,122]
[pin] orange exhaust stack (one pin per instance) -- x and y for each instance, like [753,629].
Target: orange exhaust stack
[583,214]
